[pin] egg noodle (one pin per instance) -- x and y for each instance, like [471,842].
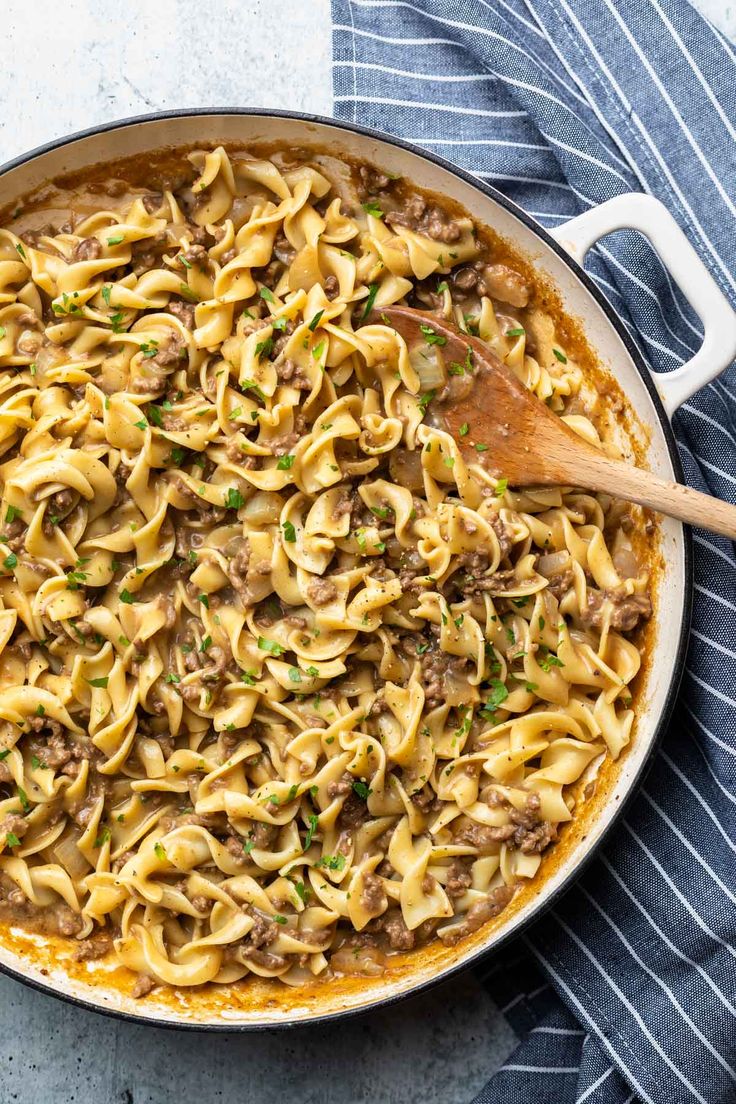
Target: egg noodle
[286,682]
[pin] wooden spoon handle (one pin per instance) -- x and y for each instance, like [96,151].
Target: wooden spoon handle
[673,499]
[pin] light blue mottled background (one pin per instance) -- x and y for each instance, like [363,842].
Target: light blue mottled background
[70,66]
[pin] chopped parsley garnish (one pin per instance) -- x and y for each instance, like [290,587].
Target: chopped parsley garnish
[116,239]
[295,674]
[248,677]
[515,332]
[251,385]
[312,672]
[154,416]
[332,862]
[372,293]
[284,463]
[23,798]
[126,597]
[313,820]
[177,455]
[12,840]
[497,696]
[186,293]
[11,561]
[279,919]
[360,538]
[372,208]
[381,512]
[267,294]
[270,646]
[431,337]
[442,286]
[160,851]
[12,513]
[424,401]
[501,486]
[289,532]
[457,369]
[481,448]
[172,678]
[21,250]
[67,305]
[204,600]
[549,660]
[560,356]
[362,789]
[264,348]
[302,891]
[206,643]
[315,321]
[464,429]
[233,499]
[100,683]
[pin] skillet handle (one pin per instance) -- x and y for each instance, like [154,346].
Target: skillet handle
[636,211]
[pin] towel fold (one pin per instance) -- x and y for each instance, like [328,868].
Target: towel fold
[626,991]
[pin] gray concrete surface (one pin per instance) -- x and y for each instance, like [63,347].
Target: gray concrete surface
[437,1049]
[70,66]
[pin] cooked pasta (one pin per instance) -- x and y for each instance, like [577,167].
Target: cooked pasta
[286,684]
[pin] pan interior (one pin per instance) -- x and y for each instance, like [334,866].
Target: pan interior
[261,1004]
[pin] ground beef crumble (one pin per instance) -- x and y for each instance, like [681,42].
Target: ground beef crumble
[626,610]
[426,219]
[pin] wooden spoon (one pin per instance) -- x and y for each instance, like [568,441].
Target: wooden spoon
[526,442]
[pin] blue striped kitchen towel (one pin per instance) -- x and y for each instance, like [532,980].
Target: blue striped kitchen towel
[627,990]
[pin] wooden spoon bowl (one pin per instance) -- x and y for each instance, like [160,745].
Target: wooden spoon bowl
[503,425]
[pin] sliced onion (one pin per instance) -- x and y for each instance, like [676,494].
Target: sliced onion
[553,563]
[358,961]
[626,563]
[428,364]
[405,468]
[71,858]
[263,508]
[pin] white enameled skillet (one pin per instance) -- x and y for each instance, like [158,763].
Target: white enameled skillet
[558,257]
